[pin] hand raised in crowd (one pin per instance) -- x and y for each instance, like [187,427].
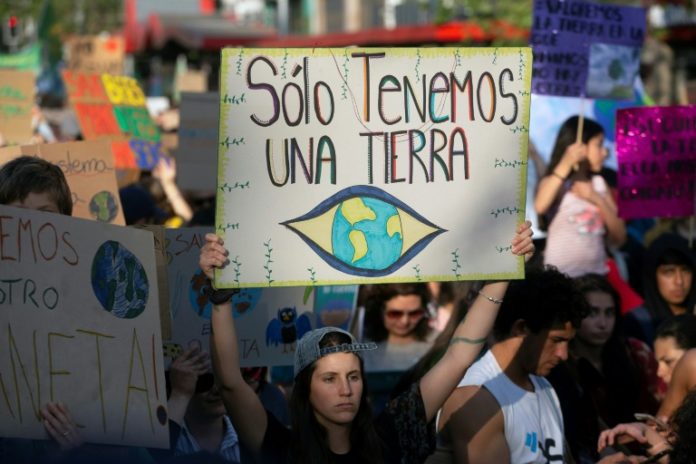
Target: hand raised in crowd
[185,369]
[60,425]
[213,255]
[183,376]
[573,155]
[165,170]
[522,243]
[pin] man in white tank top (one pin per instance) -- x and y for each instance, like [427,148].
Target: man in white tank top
[504,411]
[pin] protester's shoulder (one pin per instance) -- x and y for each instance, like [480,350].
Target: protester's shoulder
[685,371]
[688,360]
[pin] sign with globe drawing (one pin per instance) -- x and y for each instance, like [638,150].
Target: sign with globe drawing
[80,324]
[269,320]
[344,166]
[89,169]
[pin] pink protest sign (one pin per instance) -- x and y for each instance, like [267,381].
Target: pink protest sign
[656,151]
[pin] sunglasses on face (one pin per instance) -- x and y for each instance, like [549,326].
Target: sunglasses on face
[395,314]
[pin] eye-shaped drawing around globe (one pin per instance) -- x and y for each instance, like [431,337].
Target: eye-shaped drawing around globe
[348,166]
[364,231]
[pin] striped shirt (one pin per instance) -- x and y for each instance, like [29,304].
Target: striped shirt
[228,450]
[575,241]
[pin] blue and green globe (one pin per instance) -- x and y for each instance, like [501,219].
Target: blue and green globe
[367,233]
[119,280]
[103,207]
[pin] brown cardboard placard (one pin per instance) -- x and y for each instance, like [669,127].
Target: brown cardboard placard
[96,54]
[89,169]
[17,90]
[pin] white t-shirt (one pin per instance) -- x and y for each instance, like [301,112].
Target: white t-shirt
[533,420]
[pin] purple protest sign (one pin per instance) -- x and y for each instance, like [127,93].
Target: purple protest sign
[656,151]
[563,34]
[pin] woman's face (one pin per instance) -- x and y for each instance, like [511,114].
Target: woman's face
[336,388]
[402,314]
[674,282]
[667,354]
[596,328]
[596,152]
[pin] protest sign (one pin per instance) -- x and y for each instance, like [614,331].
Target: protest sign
[196,155]
[334,305]
[656,149]
[190,81]
[96,54]
[574,39]
[89,170]
[158,234]
[340,166]
[16,102]
[28,59]
[80,325]
[114,106]
[92,107]
[268,321]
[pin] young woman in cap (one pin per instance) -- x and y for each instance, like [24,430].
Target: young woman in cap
[331,418]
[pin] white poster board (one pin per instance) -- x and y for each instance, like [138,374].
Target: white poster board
[340,166]
[268,321]
[58,340]
[196,154]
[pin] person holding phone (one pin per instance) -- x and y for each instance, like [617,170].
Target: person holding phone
[674,446]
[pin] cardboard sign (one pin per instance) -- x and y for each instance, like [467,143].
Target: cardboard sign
[80,324]
[158,234]
[17,90]
[342,166]
[89,170]
[656,150]
[196,155]
[191,81]
[574,39]
[114,107]
[96,54]
[268,321]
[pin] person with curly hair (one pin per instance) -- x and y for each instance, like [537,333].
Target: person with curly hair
[504,410]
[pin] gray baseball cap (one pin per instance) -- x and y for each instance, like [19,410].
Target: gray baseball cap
[308,349]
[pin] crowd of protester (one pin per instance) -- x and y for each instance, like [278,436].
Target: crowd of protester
[480,364]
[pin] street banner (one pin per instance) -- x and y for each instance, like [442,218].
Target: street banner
[80,325]
[656,150]
[346,166]
[586,49]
